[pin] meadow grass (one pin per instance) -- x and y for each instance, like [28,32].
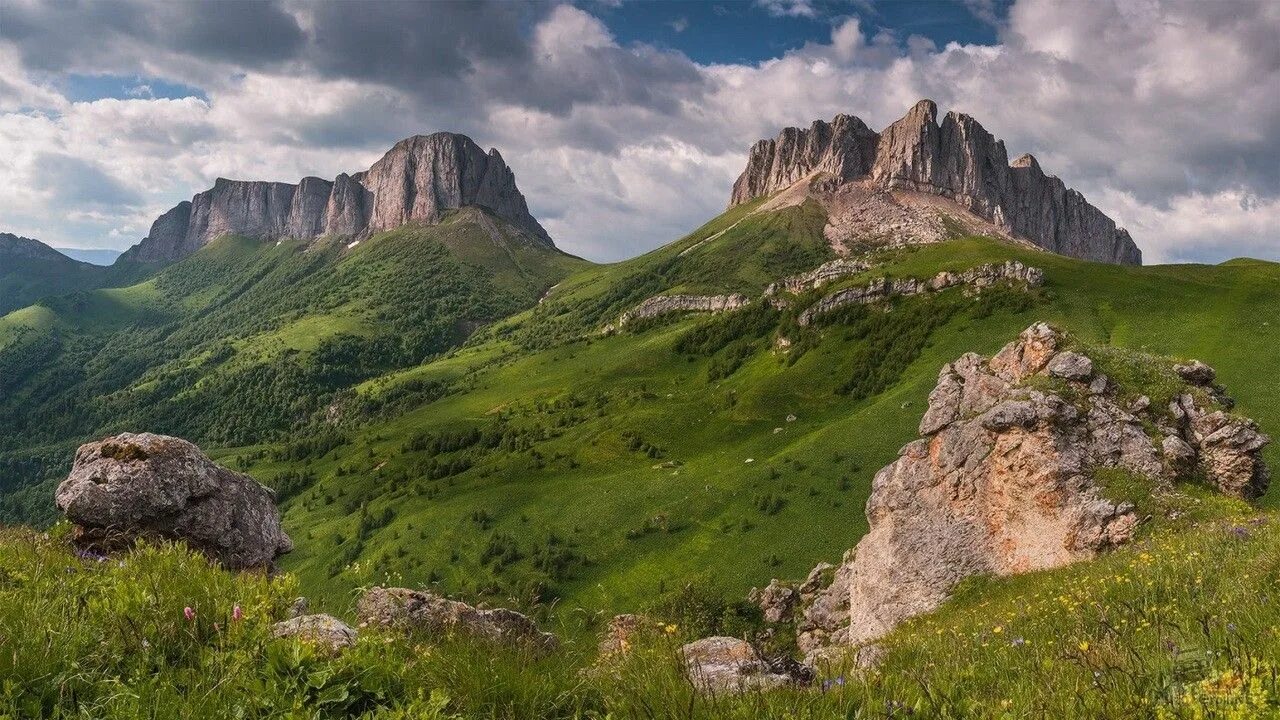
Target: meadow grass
[1182,623]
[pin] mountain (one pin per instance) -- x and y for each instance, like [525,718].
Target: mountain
[91,256]
[420,179]
[30,270]
[867,179]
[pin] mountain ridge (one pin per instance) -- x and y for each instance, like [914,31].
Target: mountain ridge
[419,179]
[956,159]
[31,270]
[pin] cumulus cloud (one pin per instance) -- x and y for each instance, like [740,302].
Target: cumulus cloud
[1163,114]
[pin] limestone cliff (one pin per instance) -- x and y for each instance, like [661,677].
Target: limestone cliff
[419,180]
[956,159]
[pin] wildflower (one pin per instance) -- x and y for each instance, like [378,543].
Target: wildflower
[1240,533]
[188,613]
[237,614]
[1084,646]
[997,629]
[670,629]
[1018,642]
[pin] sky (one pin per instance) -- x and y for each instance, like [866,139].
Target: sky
[626,122]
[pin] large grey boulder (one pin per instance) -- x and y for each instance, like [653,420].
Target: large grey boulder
[419,611]
[154,486]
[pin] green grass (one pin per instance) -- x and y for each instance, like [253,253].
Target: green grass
[1180,624]
[581,479]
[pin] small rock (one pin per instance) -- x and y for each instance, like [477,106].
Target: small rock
[1177,450]
[1196,373]
[299,607]
[1140,405]
[325,631]
[729,665]
[1100,385]
[618,638]
[424,611]
[1071,366]
[791,418]
[776,601]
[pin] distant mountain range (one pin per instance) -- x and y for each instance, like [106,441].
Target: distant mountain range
[30,270]
[93,257]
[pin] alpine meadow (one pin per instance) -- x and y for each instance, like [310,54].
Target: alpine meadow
[912,428]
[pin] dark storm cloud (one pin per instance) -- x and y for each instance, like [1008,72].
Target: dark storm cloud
[84,36]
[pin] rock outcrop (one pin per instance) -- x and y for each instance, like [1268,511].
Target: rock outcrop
[1005,480]
[419,180]
[983,276]
[324,631]
[827,272]
[153,486]
[957,159]
[426,612]
[665,304]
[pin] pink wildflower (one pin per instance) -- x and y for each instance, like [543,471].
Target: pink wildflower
[188,613]
[236,613]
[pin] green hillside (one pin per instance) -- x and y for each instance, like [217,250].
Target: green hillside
[439,407]
[246,341]
[619,466]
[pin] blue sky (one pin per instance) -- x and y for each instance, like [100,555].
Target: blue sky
[746,32]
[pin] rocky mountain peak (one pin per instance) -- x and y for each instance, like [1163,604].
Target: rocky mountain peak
[419,179]
[957,159]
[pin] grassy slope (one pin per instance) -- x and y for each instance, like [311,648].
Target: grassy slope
[224,344]
[645,528]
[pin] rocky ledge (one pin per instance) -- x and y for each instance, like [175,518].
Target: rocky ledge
[1010,271]
[956,159]
[1006,479]
[153,486]
[825,273]
[665,304]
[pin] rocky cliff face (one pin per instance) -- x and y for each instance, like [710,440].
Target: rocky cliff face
[957,159]
[418,180]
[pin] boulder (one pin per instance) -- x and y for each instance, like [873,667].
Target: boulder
[1229,453]
[153,486]
[720,665]
[325,631]
[418,611]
